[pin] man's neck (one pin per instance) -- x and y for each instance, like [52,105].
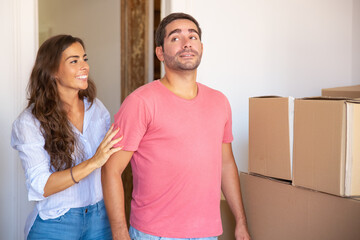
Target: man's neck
[182,84]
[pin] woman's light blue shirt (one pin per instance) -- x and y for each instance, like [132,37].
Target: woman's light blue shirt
[27,139]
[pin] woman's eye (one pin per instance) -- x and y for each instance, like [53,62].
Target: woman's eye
[193,38]
[174,39]
[74,61]
[86,59]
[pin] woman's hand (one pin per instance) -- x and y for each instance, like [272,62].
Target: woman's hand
[106,149]
[61,180]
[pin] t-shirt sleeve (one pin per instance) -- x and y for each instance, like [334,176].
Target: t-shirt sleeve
[132,119]
[228,136]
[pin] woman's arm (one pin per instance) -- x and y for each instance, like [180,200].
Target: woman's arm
[61,180]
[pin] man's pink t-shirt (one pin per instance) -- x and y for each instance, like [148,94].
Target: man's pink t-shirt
[177,159]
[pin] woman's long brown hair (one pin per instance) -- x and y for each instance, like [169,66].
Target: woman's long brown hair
[60,141]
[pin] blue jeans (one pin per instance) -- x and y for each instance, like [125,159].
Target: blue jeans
[82,223]
[137,235]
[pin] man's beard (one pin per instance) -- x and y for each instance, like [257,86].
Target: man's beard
[173,63]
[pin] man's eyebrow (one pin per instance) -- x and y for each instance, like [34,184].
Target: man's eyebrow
[75,56]
[179,31]
[193,30]
[174,31]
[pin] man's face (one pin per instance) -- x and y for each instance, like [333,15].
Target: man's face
[182,46]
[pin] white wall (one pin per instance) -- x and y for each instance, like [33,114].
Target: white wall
[356,42]
[18,48]
[274,47]
[97,23]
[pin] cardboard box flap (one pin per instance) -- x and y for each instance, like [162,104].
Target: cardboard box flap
[352,167]
[268,96]
[329,98]
[354,100]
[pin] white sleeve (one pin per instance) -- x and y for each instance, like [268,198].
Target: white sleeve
[27,139]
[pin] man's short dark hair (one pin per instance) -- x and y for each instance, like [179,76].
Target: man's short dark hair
[160,31]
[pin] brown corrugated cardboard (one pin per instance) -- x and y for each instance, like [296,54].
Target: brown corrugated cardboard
[326,146]
[270,136]
[279,211]
[348,92]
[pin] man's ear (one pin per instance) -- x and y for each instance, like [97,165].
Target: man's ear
[159,53]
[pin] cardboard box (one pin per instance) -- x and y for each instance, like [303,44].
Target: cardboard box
[276,210]
[346,92]
[271,136]
[327,145]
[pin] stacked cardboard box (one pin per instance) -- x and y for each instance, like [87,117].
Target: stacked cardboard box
[347,92]
[327,145]
[326,163]
[270,136]
[326,154]
[276,210]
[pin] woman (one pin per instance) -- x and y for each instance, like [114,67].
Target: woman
[63,141]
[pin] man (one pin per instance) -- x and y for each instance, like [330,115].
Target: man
[177,134]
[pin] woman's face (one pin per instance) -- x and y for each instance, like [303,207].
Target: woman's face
[73,72]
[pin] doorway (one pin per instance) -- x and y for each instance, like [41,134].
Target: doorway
[139,19]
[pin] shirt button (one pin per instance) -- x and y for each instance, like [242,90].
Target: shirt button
[86,210]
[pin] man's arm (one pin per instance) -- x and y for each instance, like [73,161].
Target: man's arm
[113,192]
[230,186]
